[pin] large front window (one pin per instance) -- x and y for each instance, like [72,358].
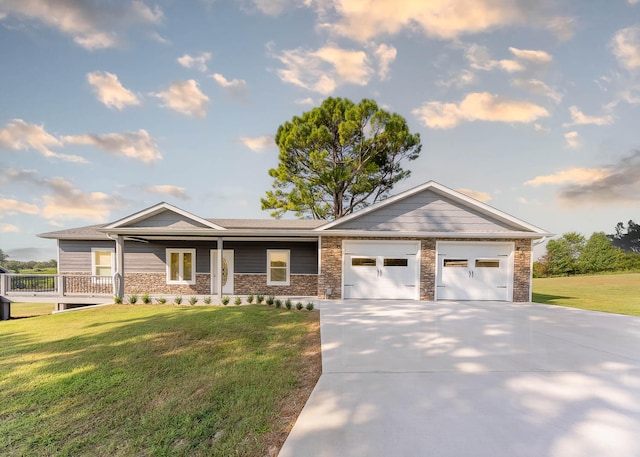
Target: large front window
[102,262]
[277,267]
[181,266]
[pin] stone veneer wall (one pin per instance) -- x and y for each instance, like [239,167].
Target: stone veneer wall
[331,264]
[156,283]
[304,285]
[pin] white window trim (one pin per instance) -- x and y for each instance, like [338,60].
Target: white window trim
[287,282]
[168,253]
[93,260]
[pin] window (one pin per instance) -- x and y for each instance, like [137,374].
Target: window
[459,263]
[102,262]
[277,267]
[487,263]
[181,266]
[396,262]
[363,262]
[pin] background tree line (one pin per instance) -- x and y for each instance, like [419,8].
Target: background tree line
[573,254]
[17,266]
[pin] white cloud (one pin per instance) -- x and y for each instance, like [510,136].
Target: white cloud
[579,118]
[460,79]
[618,182]
[625,45]
[155,36]
[257,143]
[305,101]
[19,135]
[562,26]
[185,97]
[199,62]
[109,90]
[136,145]
[7,228]
[481,196]
[64,201]
[385,54]
[633,2]
[90,24]
[536,86]
[173,191]
[274,7]
[534,56]
[325,69]
[235,86]
[571,176]
[572,140]
[9,206]
[478,106]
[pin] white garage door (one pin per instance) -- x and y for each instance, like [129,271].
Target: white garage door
[475,271]
[381,269]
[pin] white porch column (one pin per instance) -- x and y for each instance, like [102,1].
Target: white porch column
[219,272]
[118,285]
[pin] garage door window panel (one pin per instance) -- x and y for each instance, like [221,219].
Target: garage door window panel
[456,263]
[487,263]
[396,262]
[363,262]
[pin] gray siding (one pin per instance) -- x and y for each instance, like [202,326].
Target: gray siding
[168,219]
[75,256]
[251,256]
[426,212]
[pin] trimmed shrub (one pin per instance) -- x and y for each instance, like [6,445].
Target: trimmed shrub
[249,299]
[146,299]
[207,300]
[278,303]
[162,300]
[260,299]
[117,299]
[287,303]
[193,300]
[225,300]
[310,306]
[177,300]
[299,306]
[133,299]
[238,301]
[270,300]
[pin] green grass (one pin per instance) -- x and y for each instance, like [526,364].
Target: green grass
[619,293]
[39,271]
[149,380]
[19,310]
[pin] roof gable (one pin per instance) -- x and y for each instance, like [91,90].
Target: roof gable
[431,207]
[165,216]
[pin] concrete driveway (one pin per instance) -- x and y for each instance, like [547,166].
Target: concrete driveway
[405,378]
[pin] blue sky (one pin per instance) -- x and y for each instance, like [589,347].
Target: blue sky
[107,108]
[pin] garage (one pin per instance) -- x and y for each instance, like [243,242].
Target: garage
[474,271]
[381,269]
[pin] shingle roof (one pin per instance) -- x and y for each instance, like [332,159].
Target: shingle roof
[88,232]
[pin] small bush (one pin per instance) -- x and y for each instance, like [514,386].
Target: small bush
[238,301]
[225,300]
[207,300]
[310,306]
[133,299]
[278,303]
[299,306]
[117,299]
[260,299]
[177,300]
[193,300]
[249,299]
[287,304]
[162,300]
[146,299]
[270,300]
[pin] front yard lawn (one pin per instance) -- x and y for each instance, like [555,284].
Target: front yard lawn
[159,380]
[616,293]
